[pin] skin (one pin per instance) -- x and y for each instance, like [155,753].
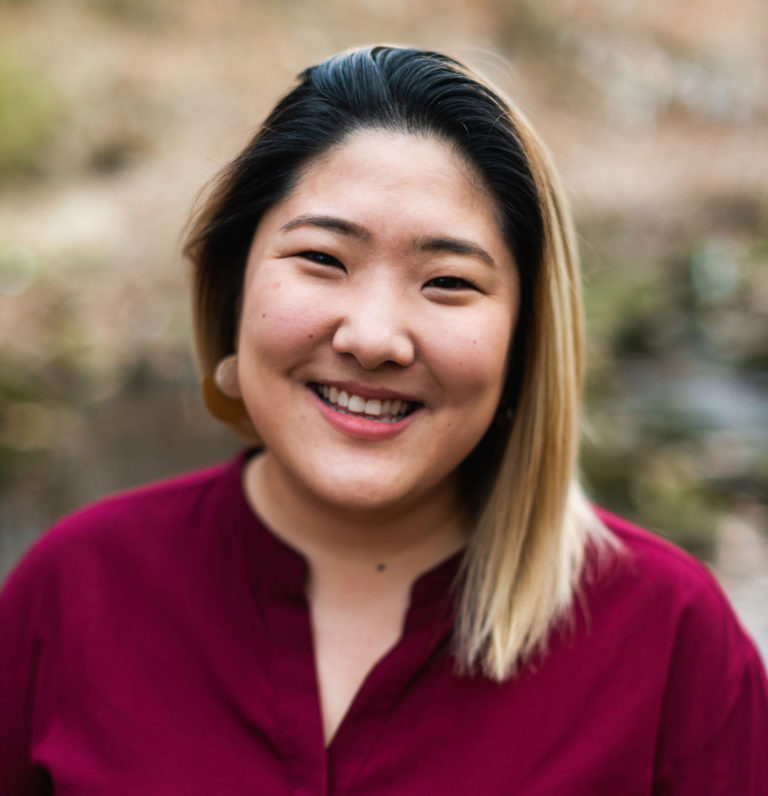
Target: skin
[384,272]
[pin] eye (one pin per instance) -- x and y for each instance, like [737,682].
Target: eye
[450,283]
[321,258]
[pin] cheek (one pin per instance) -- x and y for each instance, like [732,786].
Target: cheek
[473,359]
[277,321]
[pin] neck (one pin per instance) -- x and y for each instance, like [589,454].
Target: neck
[412,536]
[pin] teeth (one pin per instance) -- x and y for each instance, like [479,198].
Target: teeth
[389,410]
[356,404]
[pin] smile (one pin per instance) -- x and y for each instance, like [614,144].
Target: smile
[385,411]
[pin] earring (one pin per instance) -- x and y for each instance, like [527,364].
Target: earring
[221,392]
[227,378]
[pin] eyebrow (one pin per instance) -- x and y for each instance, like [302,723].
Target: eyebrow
[328,222]
[455,246]
[426,243]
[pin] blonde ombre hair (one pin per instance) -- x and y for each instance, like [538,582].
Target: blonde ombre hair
[526,557]
[524,562]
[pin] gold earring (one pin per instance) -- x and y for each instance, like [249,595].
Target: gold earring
[222,398]
[221,406]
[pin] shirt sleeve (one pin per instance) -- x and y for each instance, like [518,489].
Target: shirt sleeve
[21,641]
[713,739]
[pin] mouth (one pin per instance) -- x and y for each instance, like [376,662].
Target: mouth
[346,403]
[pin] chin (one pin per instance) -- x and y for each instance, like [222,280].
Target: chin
[363,498]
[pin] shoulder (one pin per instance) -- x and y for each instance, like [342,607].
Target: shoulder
[671,615]
[669,608]
[151,503]
[656,571]
[124,531]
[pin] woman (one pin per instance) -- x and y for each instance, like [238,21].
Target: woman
[399,589]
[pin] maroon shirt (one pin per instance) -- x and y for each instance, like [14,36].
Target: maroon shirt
[159,642]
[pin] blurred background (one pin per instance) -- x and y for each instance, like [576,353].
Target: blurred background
[114,113]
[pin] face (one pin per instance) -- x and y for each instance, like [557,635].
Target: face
[378,308]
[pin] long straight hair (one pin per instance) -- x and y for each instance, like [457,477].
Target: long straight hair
[525,558]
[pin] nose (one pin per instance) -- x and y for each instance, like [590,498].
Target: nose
[374,327]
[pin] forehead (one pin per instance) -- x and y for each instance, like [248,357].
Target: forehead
[418,152]
[390,181]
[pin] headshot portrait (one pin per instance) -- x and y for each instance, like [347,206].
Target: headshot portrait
[433,460]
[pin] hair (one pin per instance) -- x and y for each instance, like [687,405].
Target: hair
[524,561]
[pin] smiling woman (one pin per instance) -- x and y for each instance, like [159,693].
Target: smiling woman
[399,586]
[346,288]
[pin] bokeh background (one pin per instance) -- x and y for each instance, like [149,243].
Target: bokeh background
[114,113]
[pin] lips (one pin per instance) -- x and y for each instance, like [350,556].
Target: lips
[346,401]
